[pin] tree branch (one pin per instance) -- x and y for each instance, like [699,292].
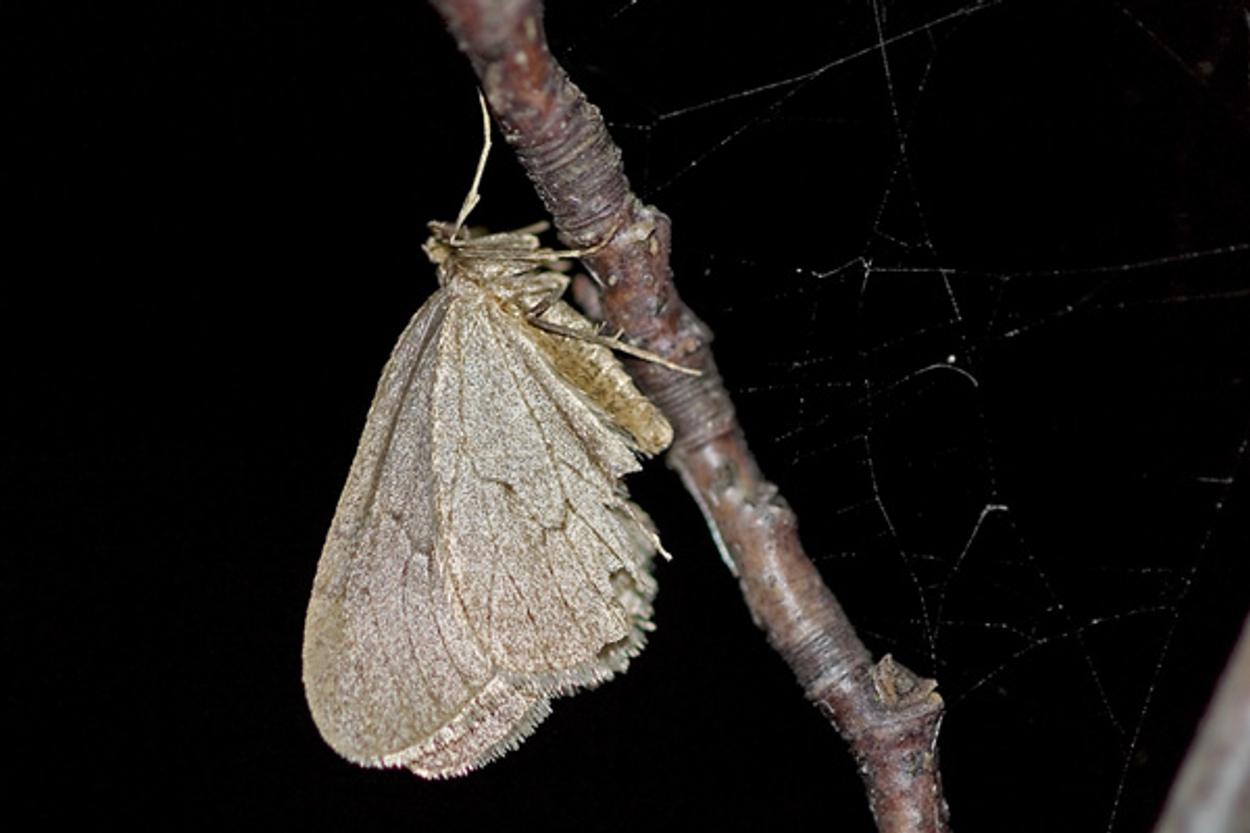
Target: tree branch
[887,715]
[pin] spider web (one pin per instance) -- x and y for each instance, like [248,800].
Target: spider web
[978,272]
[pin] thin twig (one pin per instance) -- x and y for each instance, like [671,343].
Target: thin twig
[1211,794]
[887,715]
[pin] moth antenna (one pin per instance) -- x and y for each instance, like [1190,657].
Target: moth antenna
[473,197]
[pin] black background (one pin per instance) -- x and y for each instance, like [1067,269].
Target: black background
[219,214]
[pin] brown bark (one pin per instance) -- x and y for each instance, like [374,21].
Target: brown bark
[887,715]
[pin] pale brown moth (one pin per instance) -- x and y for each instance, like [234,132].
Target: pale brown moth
[484,557]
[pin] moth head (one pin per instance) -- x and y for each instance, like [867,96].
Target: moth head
[441,244]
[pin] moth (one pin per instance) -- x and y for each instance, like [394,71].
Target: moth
[484,557]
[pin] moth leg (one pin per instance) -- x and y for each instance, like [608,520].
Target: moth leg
[534,316]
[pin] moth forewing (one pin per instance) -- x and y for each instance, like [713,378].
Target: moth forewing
[545,505]
[484,556]
[375,570]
